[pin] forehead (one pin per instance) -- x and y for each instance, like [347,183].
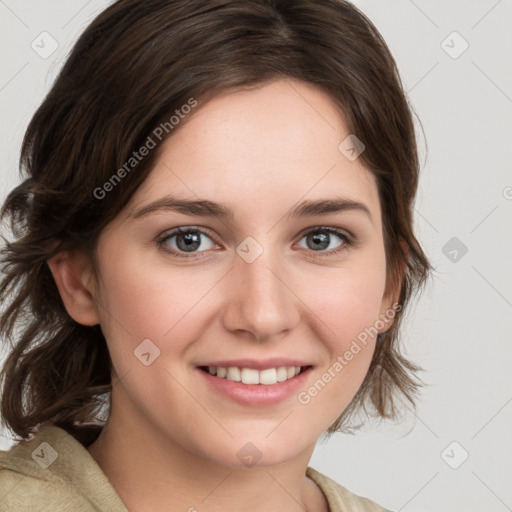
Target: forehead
[265,148]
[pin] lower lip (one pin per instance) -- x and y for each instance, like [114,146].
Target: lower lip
[256,394]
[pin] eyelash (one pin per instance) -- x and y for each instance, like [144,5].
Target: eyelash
[347,241]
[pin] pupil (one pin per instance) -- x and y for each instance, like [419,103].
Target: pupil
[322,239]
[189,241]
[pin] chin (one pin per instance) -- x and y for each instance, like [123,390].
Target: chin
[261,452]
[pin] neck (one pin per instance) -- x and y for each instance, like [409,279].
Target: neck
[150,472]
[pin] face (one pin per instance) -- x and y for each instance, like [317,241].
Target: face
[265,288]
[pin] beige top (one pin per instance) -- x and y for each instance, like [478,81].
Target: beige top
[54,472]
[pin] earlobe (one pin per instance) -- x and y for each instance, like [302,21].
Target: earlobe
[71,272]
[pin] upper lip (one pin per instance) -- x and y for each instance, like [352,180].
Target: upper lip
[261,364]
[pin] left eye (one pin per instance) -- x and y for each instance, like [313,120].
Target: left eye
[320,239]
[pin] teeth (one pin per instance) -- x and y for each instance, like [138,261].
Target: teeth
[268,376]
[282,374]
[251,376]
[233,374]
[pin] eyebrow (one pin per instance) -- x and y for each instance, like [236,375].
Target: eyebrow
[206,208]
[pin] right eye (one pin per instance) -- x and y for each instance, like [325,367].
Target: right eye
[181,241]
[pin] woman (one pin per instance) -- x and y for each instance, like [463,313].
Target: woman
[213,249]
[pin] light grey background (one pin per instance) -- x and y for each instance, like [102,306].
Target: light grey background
[460,330]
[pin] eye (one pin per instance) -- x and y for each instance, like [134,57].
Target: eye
[186,241]
[321,238]
[181,241]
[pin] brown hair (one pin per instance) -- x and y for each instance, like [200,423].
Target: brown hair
[136,64]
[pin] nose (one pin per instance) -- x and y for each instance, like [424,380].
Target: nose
[260,298]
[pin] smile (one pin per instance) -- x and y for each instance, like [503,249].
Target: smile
[267,377]
[255,382]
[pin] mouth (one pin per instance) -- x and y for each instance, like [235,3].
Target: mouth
[255,382]
[252,376]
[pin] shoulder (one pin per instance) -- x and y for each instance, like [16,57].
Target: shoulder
[53,471]
[341,499]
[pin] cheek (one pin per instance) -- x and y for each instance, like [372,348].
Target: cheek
[349,311]
[359,305]
[148,301]
[348,300]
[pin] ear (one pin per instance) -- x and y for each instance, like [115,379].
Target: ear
[390,305]
[72,272]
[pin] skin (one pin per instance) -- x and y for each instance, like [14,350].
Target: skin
[259,152]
